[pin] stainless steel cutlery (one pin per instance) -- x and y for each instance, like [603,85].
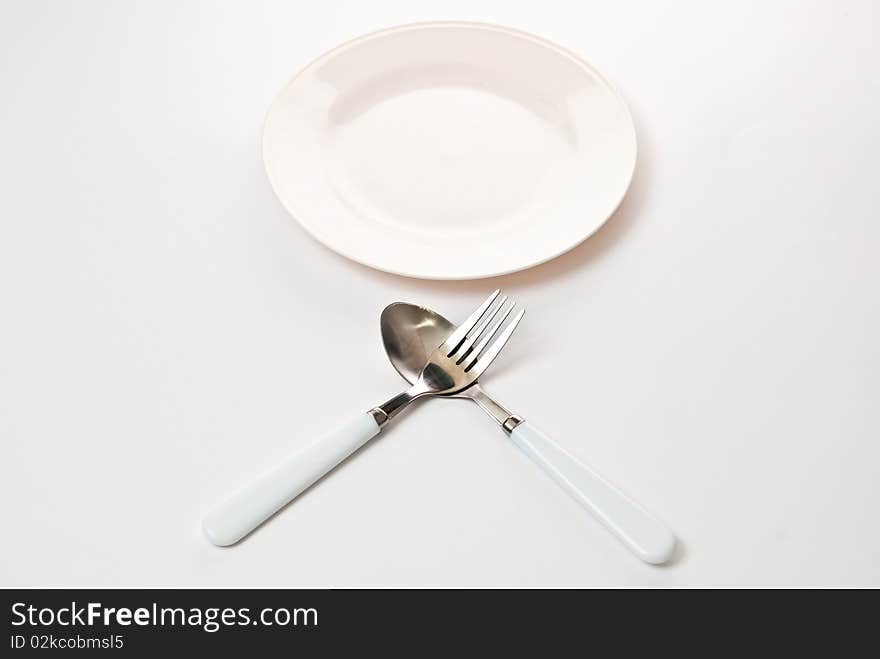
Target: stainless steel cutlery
[439,359]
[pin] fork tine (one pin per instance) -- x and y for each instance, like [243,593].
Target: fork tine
[487,317]
[468,344]
[455,339]
[484,356]
[491,329]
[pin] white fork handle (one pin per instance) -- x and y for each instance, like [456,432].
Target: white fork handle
[644,535]
[256,502]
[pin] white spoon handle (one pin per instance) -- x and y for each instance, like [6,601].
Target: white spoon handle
[644,535]
[253,504]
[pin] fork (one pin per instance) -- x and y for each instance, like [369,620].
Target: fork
[452,367]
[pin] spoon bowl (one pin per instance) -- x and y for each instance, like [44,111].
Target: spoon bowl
[410,333]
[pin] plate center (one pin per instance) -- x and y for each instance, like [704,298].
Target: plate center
[438,157]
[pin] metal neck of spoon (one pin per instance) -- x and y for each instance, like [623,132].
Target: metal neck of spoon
[391,408]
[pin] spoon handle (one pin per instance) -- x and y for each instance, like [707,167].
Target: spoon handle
[644,535]
[257,501]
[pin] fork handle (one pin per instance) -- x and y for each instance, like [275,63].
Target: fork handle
[257,501]
[644,535]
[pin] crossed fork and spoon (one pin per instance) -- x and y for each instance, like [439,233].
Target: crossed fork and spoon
[440,359]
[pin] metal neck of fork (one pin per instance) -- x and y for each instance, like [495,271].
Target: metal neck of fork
[505,418]
[391,408]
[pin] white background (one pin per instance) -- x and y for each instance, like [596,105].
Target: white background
[167,331]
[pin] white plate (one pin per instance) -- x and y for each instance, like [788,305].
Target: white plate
[449,150]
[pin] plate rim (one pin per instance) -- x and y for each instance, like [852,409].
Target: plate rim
[477,25]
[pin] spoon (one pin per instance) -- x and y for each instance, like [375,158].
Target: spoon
[410,333]
[456,361]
